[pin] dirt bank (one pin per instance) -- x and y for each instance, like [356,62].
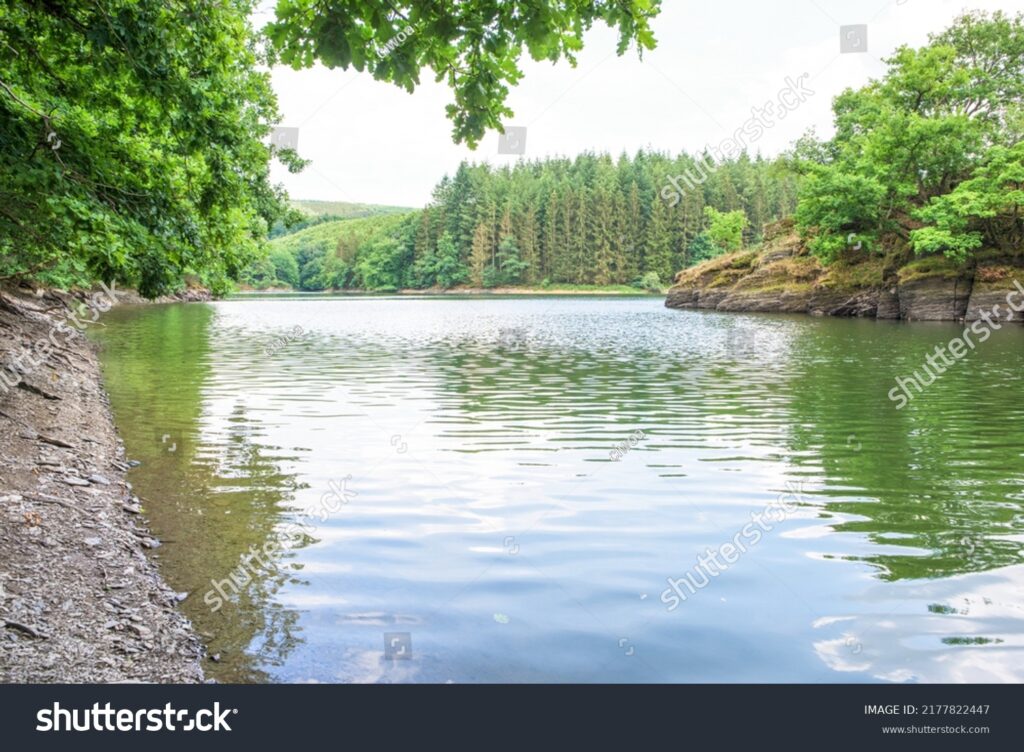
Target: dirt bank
[783,277]
[80,601]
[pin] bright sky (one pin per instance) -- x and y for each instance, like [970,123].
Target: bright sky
[372,142]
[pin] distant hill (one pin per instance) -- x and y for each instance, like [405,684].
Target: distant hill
[346,210]
[322,254]
[323,238]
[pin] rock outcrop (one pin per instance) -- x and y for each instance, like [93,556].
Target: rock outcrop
[783,277]
[938,298]
[994,285]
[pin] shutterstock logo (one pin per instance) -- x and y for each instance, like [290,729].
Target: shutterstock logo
[124,719]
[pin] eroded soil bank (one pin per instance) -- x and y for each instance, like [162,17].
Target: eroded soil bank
[80,600]
[783,277]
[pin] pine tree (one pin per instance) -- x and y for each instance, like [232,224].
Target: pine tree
[658,242]
[563,263]
[580,242]
[632,231]
[552,235]
[602,239]
[621,242]
[481,254]
[528,244]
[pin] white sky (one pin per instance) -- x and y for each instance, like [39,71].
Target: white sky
[372,142]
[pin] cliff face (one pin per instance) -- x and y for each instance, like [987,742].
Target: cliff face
[783,277]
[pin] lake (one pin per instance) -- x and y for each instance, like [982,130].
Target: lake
[411,489]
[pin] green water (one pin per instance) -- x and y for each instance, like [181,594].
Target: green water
[527,474]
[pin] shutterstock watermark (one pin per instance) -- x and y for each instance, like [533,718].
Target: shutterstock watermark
[956,349]
[396,41]
[106,718]
[77,319]
[788,99]
[260,559]
[621,449]
[283,340]
[709,566]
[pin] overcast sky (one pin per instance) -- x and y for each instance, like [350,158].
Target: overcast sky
[373,142]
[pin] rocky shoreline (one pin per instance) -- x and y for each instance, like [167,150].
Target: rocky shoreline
[783,277]
[80,600]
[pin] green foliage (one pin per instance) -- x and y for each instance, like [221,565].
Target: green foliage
[286,269]
[650,282]
[132,142]
[590,221]
[843,208]
[509,267]
[320,256]
[593,220]
[936,141]
[725,229]
[988,208]
[260,273]
[441,266]
[702,249]
[295,220]
[380,264]
[473,46]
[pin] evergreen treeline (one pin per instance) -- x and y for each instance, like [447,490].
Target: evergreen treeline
[591,220]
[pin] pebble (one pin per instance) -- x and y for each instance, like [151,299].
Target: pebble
[93,541]
[71,480]
[99,479]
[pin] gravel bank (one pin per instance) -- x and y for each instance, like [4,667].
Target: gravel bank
[80,601]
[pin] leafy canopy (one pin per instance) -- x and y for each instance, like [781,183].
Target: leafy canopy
[725,229]
[473,46]
[132,141]
[929,155]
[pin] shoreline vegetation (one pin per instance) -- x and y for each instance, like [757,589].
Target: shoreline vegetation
[923,180]
[483,292]
[926,168]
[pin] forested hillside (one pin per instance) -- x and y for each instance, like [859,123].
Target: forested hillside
[927,161]
[133,147]
[344,209]
[134,133]
[592,220]
[323,254]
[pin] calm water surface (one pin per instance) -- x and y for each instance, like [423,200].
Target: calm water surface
[441,475]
